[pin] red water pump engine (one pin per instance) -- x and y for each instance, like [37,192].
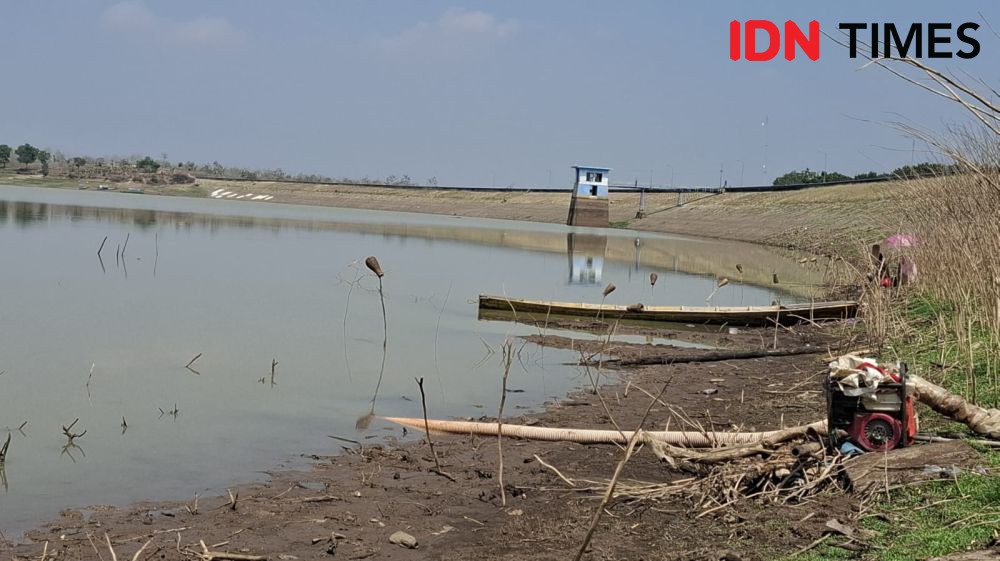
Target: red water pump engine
[873,419]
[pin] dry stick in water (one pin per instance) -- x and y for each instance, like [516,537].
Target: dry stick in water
[777,322]
[610,491]
[3,451]
[607,290]
[372,263]
[508,356]
[67,431]
[196,357]
[423,403]
[99,258]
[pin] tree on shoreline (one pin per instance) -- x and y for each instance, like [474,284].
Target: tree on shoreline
[44,158]
[147,164]
[26,154]
[4,155]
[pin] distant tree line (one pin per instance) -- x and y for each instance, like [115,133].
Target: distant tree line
[27,154]
[807,176]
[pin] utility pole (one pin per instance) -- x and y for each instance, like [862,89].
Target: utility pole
[763,165]
[722,167]
[741,171]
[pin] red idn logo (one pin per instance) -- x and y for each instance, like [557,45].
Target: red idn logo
[793,36]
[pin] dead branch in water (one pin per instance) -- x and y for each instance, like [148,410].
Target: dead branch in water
[99,259]
[71,436]
[3,451]
[89,378]
[190,362]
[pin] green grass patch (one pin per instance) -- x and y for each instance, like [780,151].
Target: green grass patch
[621,224]
[927,520]
[941,517]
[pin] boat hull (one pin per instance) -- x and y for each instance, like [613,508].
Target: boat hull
[743,315]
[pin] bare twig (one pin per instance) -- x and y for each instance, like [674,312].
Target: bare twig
[190,362]
[423,404]
[114,556]
[556,471]
[67,431]
[3,450]
[208,555]
[508,356]
[609,492]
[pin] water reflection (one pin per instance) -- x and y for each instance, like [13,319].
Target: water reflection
[588,252]
[586,257]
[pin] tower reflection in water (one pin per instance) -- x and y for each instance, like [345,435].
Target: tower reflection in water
[586,257]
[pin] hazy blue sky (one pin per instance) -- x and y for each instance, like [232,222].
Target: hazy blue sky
[474,93]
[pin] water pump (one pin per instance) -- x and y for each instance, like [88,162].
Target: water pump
[873,418]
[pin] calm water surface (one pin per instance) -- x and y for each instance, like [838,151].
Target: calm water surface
[245,283]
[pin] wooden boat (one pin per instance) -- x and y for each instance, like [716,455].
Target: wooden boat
[732,315]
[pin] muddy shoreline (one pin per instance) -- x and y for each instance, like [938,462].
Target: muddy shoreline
[350,504]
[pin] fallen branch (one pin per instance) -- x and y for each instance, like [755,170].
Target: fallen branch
[712,356]
[208,555]
[556,471]
[610,491]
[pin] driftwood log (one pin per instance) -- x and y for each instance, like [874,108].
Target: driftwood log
[981,420]
[906,465]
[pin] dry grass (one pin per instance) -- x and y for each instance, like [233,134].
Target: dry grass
[948,322]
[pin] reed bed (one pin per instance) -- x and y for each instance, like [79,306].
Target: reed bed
[947,323]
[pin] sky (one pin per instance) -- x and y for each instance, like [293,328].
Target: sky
[473,93]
